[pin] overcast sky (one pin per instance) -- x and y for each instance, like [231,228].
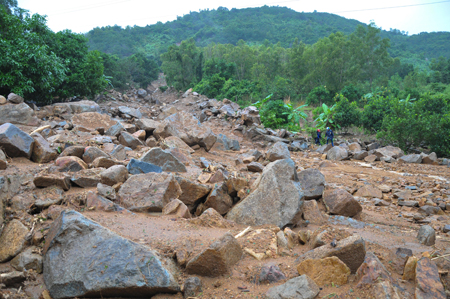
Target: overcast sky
[413,16]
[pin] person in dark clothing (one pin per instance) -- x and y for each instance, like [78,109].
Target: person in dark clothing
[329,134]
[319,136]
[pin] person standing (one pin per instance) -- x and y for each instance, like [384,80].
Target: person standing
[319,136]
[329,134]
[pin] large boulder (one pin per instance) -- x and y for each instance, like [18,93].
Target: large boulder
[146,124]
[163,159]
[389,151]
[219,199]
[340,202]
[429,159]
[278,151]
[217,259]
[312,182]
[129,140]
[84,259]
[250,116]
[337,153]
[20,114]
[223,143]
[75,107]
[428,284]
[277,199]
[325,271]
[113,175]
[188,128]
[138,167]
[175,142]
[130,111]
[15,142]
[149,192]
[413,158]
[15,99]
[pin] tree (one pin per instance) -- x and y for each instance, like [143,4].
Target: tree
[370,52]
[9,5]
[346,114]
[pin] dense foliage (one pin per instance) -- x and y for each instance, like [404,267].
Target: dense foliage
[42,65]
[255,25]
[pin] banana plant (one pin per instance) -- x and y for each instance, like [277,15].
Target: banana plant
[325,119]
[295,114]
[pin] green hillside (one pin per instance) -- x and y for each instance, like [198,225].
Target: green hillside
[255,25]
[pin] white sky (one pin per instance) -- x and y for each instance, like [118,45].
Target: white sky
[83,15]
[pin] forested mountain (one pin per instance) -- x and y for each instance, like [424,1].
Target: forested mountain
[255,25]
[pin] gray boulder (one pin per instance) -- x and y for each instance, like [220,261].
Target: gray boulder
[301,287]
[28,260]
[279,181]
[413,158]
[149,192]
[130,111]
[146,124]
[224,143]
[360,155]
[129,140]
[163,159]
[312,182]
[187,128]
[324,148]
[15,99]
[337,153]
[20,114]
[84,259]
[91,153]
[113,175]
[115,130]
[15,142]
[278,151]
[429,159]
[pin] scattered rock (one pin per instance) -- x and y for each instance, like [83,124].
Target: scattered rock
[42,181]
[163,159]
[91,153]
[426,235]
[223,143]
[312,182]
[369,191]
[3,161]
[428,284]
[409,272]
[87,178]
[278,180]
[15,99]
[176,142]
[340,202]
[219,199]
[413,158]
[191,192]
[312,213]
[429,159]
[192,287]
[42,152]
[278,151]
[270,273]
[28,260]
[92,121]
[76,151]
[70,164]
[361,155]
[18,114]
[82,258]
[351,251]
[148,125]
[104,162]
[149,192]
[113,175]
[211,218]
[12,239]
[337,153]
[129,140]
[138,167]
[217,259]
[325,271]
[97,202]
[15,142]
[301,287]
[178,208]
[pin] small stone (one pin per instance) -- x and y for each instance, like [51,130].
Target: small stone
[278,151]
[178,208]
[426,235]
[12,240]
[301,287]
[325,271]
[91,153]
[409,273]
[192,287]
[61,181]
[270,273]
[28,260]
[113,175]
[70,164]
[255,167]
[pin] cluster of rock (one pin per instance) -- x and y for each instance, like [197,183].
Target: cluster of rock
[371,152]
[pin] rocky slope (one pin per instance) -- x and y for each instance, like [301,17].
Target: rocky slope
[167,195]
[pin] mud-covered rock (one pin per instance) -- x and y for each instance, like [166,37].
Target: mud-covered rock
[75,150]
[217,259]
[163,159]
[301,287]
[187,128]
[191,192]
[146,124]
[312,213]
[178,208]
[42,152]
[351,251]
[223,143]
[270,273]
[92,121]
[106,191]
[340,202]
[149,192]
[361,155]
[211,218]
[369,191]
[176,142]
[104,162]
[87,178]
[97,202]
[47,180]
[12,239]
[312,182]
[82,258]
[115,129]
[325,271]
[278,151]
[255,167]
[15,142]
[278,180]
[219,199]
[192,287]
[428,284]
